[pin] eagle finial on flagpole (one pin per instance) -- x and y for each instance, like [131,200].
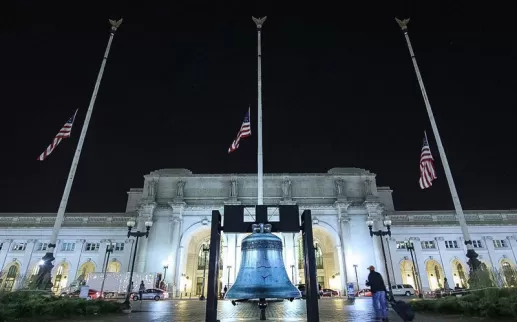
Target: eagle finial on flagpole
[402,23]
[115,24]
[259,21]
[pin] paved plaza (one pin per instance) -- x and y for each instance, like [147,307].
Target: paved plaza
[331,310]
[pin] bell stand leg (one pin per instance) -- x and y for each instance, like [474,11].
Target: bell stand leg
[262,306]
[213,268]
[311,285]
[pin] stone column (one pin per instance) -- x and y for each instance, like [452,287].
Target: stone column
[6,245]
[27,258]
[420,260]
[348,273]
[290,258]
[512,240]
[375,213]
[296,251]
[175,222]
[125,263]
[230,260]
[145,213]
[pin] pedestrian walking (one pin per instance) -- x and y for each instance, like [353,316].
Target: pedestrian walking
[141,290]
[378,289]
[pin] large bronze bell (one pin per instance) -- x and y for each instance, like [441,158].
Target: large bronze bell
[262,273]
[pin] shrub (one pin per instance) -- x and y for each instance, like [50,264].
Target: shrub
[18,305]
[492,302]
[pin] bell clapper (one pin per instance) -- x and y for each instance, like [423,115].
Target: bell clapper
[262,306]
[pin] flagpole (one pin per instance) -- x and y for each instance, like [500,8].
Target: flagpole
[260,156]
[44,273]
[474,263]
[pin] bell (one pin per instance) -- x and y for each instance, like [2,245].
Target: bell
[262,274]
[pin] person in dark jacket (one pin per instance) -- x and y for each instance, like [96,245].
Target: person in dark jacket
[378,289]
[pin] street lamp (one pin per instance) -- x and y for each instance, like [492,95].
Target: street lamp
[109,250]
[356,277]
[205,252]
[292,272]
[380,233]
[228,285]
[416,275]
[165,267]
[130,224]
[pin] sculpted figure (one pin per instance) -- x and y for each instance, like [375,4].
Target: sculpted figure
[286,187]
[340,188]
[179,189]
[233,189]
[151,188]
[368,187]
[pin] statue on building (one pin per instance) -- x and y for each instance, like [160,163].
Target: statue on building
[368,187]
[233,189]
[179,189]
[286,188]
[151,188]
[340,188]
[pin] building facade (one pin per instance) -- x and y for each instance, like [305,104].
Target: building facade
[179,203]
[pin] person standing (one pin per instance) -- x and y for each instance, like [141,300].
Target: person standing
[378,289]
[141,290]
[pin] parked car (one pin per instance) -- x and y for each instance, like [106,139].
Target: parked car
[329,293]
[150,294]
[92,294]
[365,292]
[402,289]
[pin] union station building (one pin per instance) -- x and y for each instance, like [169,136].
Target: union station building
[180,204]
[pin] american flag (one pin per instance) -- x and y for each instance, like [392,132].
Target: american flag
[244,132]
[427,171]
[62,134]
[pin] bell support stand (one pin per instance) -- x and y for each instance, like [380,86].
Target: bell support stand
[289,222]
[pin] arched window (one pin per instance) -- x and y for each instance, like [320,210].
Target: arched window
[201,263]
[462,276]
[203,256]
[319,256]
[10,278]
[509,274]
[438,276]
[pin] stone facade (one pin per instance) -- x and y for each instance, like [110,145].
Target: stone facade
[180,204]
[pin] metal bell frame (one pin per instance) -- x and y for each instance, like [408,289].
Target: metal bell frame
[289,222]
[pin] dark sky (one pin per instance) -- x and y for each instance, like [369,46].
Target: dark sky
[339,91]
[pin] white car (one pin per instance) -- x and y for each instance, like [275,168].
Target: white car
[402,289]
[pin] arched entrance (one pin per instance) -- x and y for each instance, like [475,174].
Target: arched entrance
[195,263]
[201,273]
[435,274]
[9,276]
[459,274]
[327,261]
[113,267]
[509,273]
[60,279]
[84,270]
[408,273]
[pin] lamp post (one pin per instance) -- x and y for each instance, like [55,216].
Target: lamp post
[380,233]
[416,274]
[228,267]
[205,251]
[292,272]
[109,250]
[130,224]
[165,267]
[356,277]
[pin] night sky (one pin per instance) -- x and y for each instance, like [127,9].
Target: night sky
[339,91]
